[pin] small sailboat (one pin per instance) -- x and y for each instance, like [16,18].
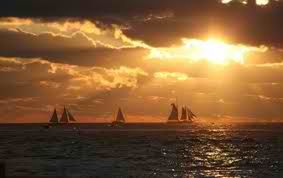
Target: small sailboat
[54,118]
[66,117]
[120,118]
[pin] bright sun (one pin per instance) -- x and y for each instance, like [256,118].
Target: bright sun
[212,50]
[215,51]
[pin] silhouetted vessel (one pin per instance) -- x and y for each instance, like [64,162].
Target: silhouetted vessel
[66,118]
[120,118]
[187,115]
[54,118]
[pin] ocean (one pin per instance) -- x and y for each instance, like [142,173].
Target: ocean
[143,150]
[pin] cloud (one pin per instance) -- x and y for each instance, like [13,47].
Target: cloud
[59,84]
[76,49]
[64,77]
[173,19]
[168,75]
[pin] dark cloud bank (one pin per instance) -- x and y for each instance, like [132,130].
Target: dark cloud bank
[163,22]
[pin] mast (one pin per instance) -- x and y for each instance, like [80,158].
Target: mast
[64,118]
[54,118]
[120,116]
[174,113]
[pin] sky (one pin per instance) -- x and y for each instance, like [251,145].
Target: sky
[221,58]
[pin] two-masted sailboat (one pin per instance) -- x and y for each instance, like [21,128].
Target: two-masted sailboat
[187,115]
[66,117]
[120,118]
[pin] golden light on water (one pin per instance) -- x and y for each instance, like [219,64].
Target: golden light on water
[212,50]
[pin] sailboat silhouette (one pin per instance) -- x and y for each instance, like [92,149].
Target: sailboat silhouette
[66,117]
[120,118]
[186,116]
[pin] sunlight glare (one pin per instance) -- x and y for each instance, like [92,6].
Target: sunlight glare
[212,50]
[262,2]
[216,51]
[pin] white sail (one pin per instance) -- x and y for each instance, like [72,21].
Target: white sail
[54,118]
[64,118]
[174,115]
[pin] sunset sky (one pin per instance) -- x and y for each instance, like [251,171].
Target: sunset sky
[222,58]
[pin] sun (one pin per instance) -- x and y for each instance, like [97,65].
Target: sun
[215,51]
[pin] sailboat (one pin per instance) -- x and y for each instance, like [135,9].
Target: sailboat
[187,115]
[54,118]
[120,119]
[66,117]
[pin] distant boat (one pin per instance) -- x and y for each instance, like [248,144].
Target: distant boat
[54,118]
[120,118]
[66,117]
[186,116]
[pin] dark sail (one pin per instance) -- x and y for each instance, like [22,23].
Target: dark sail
[64,118]
[174,113]
[71,117]
[120,116]
[184,114]
[54,118]
[191,115]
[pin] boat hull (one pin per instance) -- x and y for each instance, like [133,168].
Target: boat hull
[117,124]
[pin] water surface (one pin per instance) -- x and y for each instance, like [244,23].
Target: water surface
[152,150]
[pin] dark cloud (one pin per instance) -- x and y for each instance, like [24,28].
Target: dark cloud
[77,49]
[163,22]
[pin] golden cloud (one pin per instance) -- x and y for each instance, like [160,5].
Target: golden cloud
[171,75]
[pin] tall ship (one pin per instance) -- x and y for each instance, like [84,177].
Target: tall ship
[120,118]
[187,115]
[66,117]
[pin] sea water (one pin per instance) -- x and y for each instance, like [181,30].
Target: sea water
[143,150]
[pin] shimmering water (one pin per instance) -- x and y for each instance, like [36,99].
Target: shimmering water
[156,150]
